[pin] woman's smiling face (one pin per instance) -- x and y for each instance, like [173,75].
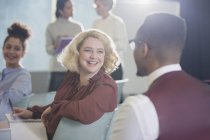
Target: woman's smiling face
[13,52]
[91,56]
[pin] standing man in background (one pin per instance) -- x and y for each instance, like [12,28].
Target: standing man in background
[115,27]
[63,27]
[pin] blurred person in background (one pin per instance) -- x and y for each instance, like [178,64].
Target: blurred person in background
[64,28]
[115,27]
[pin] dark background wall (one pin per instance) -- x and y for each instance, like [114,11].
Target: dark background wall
[196,55]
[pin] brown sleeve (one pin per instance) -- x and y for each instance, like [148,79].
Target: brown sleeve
[37,111]
[89,109]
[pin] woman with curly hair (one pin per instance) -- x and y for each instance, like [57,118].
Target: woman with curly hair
[15,81]
[88,91]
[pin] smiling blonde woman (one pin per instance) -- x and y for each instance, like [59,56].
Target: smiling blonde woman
[88,91]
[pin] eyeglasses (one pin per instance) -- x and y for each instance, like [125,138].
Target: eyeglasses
[134,44]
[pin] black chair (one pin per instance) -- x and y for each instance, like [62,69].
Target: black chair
[55,80]
[207,82]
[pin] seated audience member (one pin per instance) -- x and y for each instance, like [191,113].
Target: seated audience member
[88,91]
[15,81]
[176,105]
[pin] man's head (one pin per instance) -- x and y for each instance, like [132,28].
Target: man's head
[159,41]
[104,6]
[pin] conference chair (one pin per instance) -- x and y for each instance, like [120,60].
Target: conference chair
[73,130]
[5,134]
[120,84]
[114,117]
[56,78]
[23,103]
[41,98]
[40,81]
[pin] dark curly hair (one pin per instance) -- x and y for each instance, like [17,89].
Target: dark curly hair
[20,31]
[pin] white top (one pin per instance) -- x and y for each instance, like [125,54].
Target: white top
[137,118]
[116,29]
[54,31]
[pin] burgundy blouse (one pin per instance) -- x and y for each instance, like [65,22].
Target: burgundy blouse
[85,104]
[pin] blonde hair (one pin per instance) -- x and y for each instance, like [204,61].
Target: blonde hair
[69,57]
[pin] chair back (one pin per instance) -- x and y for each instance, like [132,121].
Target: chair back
[5,134]
[120,84]
[40,81]
[56,78]
[74,130]
[114,117]
[23,103]
[42,99]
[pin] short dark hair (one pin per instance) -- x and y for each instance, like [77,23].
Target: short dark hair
[60,6]
[163,30]
[108,3]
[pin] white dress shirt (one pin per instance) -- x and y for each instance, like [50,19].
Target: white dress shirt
[137,118]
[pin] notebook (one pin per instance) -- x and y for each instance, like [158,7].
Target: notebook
[25,129]
[63,41]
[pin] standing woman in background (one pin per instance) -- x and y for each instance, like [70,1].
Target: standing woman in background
[64,26]
[15,81]
[115,27]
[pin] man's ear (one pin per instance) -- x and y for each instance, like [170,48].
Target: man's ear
[145,49]
[60,12]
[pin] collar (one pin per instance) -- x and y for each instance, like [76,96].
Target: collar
[9,70]
[98,75]
[61,19]
[163,70]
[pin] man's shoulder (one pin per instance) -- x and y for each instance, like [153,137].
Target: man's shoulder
[137,100]
[116,19]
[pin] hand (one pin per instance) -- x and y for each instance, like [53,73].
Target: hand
[45,115]
[22,113]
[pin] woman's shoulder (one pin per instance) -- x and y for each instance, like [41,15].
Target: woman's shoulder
[24,71]
[105,78]
[71,76]
[76,24]
[18,72]
[117,20]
